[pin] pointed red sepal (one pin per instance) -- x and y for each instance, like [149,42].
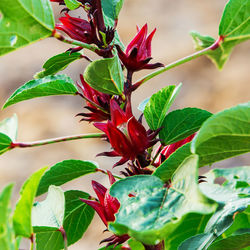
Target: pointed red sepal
[98,208]
[100,191]
[101,126]
[118,116]
[112,179]
[138,135]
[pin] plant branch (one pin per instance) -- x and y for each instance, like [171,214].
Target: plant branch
[183,60]
[61,38]
[65,241]
[54,140]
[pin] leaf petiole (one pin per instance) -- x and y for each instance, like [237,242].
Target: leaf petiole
[54,140]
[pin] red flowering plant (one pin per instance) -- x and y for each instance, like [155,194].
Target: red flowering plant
[159,200]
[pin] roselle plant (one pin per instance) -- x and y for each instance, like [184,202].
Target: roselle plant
[158,201]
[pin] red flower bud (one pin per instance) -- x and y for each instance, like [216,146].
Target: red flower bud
[138,52]
[100,99]
[126,135]
[169,149]
[77,28]
[106,208]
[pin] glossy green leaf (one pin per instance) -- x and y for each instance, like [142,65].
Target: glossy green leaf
[182,123]
[65,171]
[77,217]
[158,105]
[230,204]
[57,63]
[22,213]
[233,242]
[119,247]
[234,28]
[7,236]
[241,220]
[24,22]
[8,133]
[50,212]
[166,170]
[225,134]
[111,10]
[49,241]
[219,56]
[189,225]
[155,207]
[135,245]
[47,86]
[72,4]
[105,75]
[9,127]
[235,21]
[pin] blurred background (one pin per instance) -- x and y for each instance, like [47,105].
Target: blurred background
[203,87]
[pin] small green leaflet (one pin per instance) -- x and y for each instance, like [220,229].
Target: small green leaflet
[47,86]
[24,22]
[158,105]
[233,242]
[105,75]
[7,235]
[227,195]
[234,28]
[65,171]
[111,10]
[8,133]
[57,63]
[158,207]
[72,4]
[181,123]
[50,212]
[22,213]
[77,217]
[223,135]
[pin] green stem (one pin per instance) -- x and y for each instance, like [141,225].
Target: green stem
[195,55]
[54,140]
[74,42]
[64,238]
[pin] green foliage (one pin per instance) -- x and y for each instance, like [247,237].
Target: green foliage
[225,134]
[105,75]
[22,213]
[7,237]
[57,63]
[182,123]
[169,166]
[155,207]
[47,86]
[65,171]
[78,215]
[235,21]
[111,10]
[189,225]
[50,212]
[234,28]
[24,22]
[230,200]
[8,133]
[234,242]
[135,245]
[72,4]
[158,105]
[76,219]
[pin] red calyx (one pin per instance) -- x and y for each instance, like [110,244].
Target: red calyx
[138,52]
[126,135]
